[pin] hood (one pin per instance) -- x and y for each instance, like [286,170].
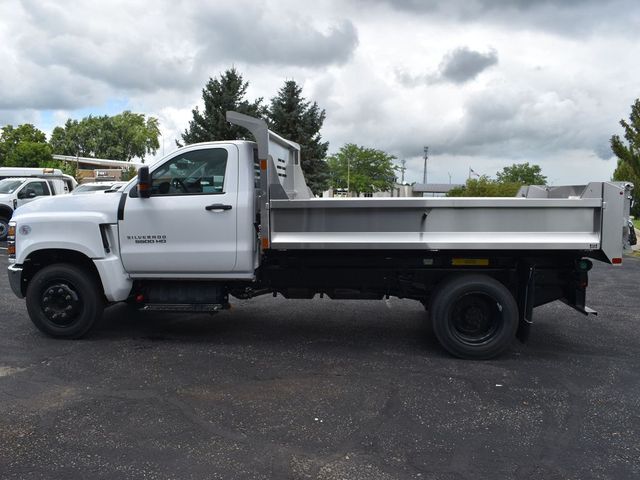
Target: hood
[106,205]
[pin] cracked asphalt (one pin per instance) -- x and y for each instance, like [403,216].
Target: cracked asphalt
[325,390]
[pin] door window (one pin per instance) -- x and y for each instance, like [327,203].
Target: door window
[192,173]
[40,189]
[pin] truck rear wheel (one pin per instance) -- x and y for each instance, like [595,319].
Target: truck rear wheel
[474,316]
[64,301]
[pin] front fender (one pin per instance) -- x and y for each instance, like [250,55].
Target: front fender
[59,230]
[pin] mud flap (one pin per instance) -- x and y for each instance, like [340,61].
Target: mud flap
[526,295]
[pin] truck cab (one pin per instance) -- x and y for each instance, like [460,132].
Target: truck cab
[202,194]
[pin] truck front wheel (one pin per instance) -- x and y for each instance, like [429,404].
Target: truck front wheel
[474,316]
[4,228]
[64,301]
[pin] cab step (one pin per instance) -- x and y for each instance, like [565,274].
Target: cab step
[185,307]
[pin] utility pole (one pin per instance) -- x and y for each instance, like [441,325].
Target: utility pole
[426,157]
[402,169]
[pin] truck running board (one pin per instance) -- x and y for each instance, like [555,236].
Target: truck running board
[185,307]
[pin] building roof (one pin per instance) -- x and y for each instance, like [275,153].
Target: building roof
[99,162]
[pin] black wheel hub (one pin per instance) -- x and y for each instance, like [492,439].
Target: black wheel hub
[4,229]
[60,304]
[475,318]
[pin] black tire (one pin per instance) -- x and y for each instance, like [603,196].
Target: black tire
[474,316]
[4,228]
[64,301]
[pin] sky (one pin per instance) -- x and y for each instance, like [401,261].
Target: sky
[483,83]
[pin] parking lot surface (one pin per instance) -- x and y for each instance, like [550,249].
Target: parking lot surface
[322,389]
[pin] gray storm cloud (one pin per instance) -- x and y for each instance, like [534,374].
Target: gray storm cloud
[458,66]
[562,17]
[261,35]
[161,52]
[464,64]
[262,43]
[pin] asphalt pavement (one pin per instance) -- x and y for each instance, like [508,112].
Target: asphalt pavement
[322,389]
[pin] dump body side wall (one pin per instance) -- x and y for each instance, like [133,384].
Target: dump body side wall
[437,224]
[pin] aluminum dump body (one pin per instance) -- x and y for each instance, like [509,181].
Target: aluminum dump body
[592,220]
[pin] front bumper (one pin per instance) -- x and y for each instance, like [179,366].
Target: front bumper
[15,279]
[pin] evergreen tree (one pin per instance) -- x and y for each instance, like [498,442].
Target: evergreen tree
[221,95]
[629,154]
[295,118]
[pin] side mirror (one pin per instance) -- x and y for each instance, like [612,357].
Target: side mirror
[144,182]
[31,194]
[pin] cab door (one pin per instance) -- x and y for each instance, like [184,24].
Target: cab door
[31,190]
[188,224]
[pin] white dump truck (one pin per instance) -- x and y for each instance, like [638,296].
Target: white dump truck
[236,218]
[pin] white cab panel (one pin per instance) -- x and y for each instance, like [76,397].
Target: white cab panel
[179,229]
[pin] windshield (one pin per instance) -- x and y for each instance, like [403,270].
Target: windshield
[10,185]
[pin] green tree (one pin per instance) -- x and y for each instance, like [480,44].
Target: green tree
[120,137]
[219,96]
[299,120]
[629,153]
[24,146]
[361,170]
[522,173]
[485,187]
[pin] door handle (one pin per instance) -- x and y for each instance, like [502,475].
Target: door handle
[217,206]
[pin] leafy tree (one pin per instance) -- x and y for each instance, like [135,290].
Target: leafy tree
[293,117]
[522,173]
[624,173]
[361,170]
[220,95]
[629,153]
[24,146]
[31,154]
[485,187]
[120,137]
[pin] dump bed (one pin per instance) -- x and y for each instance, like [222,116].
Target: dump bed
[590,219]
